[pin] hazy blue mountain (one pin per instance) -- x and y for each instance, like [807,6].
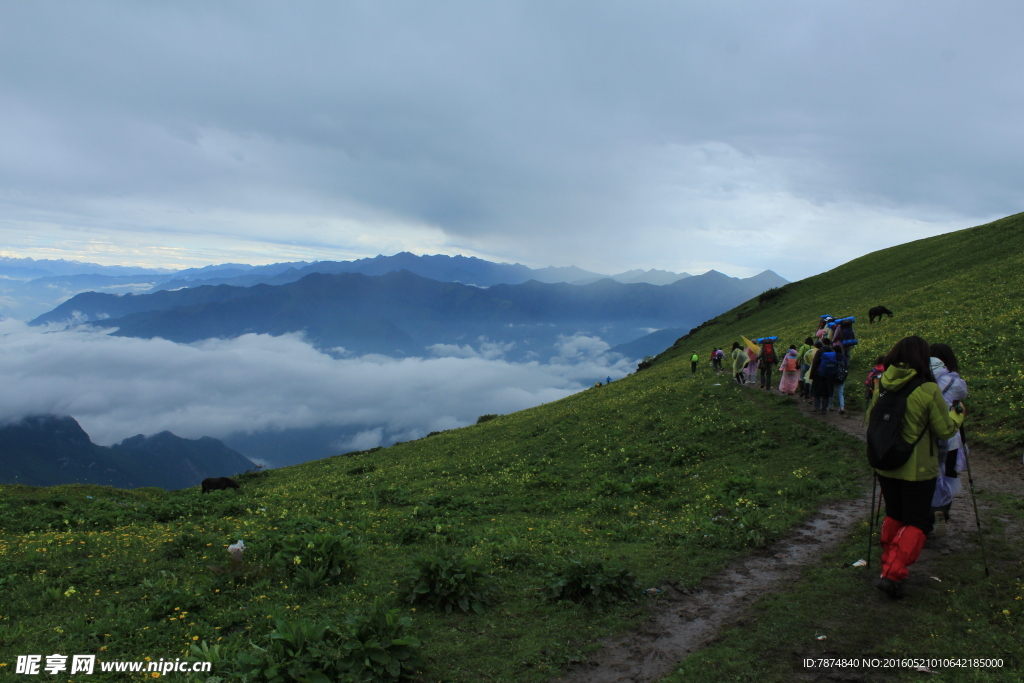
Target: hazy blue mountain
[283,447]
[651,344]
[465,269]
[26,300]
[171,462]
[651,277]
[46,450]
[89,306]
[29,269]
[401,313]
[29,288]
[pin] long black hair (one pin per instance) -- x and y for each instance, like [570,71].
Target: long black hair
[946,355]
[913,353]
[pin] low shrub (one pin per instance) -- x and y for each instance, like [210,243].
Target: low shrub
[324,557]
[486,418]
[386,496]
[514,553]
[448,580]
[372,645]
[184,545]
[769,295]
[591,583]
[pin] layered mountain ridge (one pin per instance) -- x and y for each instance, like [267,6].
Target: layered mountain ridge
[46,450]
[29,288]
[402,313]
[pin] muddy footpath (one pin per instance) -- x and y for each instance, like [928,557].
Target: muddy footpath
[682,621]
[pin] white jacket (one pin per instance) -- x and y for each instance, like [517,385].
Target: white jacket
[953,389]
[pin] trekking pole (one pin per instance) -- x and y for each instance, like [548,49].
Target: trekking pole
[871,525]
[974,499]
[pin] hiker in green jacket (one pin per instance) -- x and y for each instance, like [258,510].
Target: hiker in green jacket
[908,490]
[694,359]
[739,359]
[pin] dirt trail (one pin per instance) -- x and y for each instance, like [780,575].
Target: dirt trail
[681,622]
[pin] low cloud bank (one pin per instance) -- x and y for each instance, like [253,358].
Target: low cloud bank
[117,387]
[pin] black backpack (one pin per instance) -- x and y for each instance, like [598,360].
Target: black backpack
[842,369]
[828,366]
[886,448]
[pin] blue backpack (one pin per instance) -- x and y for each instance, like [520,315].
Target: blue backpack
[829,366]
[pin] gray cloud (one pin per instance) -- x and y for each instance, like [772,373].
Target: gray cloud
[573,132]
[118,387]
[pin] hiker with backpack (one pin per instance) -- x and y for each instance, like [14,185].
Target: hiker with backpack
[823,376]
[904,420]
[767,359]
[790,370]
[739,360]
[842,370]
[844,336]
[953,451]
[694,359]
[871,383]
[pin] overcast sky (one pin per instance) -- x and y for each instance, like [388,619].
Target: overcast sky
[609,135]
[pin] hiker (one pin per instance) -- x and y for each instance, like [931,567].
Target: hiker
[842,370]
[790,369]
[953,451]
[804,355]
[694,359]
[823,330]
[811,354]
[608,381]
[766,359]
[872,380]
[844,336]
[751,365]
[804,361]
[823,375]
[908,489]
[739,359]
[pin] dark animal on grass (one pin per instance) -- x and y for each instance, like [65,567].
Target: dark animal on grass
[218,483]
[878,312]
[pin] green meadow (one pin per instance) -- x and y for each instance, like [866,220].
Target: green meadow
[504,551]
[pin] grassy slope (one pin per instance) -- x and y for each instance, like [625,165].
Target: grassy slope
[633,472]
[963,288]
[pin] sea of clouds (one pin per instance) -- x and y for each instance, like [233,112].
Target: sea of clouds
[118,387]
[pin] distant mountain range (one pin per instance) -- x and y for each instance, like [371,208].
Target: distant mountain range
[30,287]
[28,269]
[48,450]
[403,313]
